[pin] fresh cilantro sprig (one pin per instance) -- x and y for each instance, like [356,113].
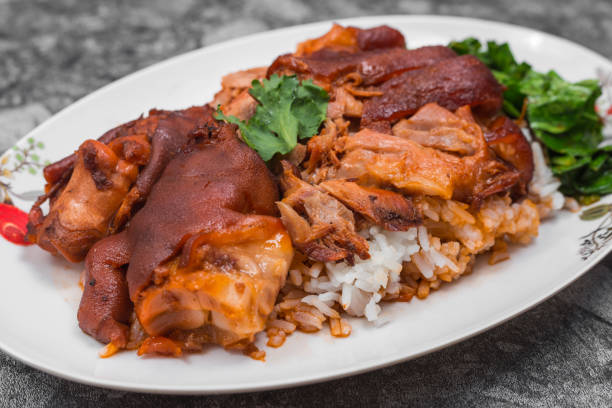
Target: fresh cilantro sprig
[561,115]
[288,111]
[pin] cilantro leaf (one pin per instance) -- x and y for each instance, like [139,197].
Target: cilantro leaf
[469,45]
[288,111]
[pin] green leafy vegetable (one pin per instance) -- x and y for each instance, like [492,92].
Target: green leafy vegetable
[561,115]
[288,111]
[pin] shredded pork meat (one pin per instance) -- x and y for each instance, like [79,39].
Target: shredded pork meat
[320,225]
[391,210]
[417,163]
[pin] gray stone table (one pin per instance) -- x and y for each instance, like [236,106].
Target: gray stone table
[56,51]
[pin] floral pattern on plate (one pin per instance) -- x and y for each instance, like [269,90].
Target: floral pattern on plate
[21,159]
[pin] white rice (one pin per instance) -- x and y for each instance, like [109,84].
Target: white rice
[323,307]
[295,277]
[359,288]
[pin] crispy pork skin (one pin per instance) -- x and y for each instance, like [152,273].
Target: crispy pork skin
[205,256]
[230,282]
[80,216]
[373,67]
[353,39]
[451,83]
[94,192]
[207,189]
[105,309]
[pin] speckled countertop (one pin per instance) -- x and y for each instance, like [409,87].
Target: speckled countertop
[54,52]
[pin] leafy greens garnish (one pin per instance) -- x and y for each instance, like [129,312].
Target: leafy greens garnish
[288,111]
[561,115]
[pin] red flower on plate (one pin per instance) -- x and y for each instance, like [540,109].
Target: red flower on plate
[13,223]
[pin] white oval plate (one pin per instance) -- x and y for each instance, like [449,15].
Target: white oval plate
[40,297]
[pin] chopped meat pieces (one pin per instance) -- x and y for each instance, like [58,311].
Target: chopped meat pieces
[320,226]
[392,211]
[378,159]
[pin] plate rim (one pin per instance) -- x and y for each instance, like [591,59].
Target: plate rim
[337,373]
